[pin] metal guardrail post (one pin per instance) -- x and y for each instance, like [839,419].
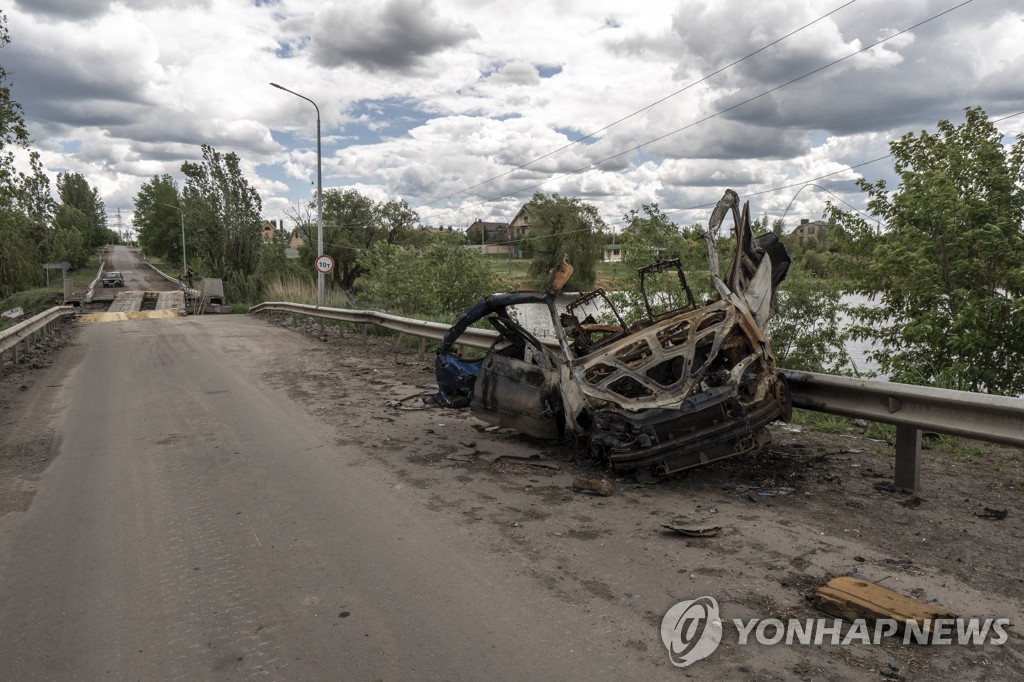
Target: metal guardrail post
[908,457]
[422,354]
[26,333]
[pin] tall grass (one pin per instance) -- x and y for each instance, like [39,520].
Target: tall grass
[300,290]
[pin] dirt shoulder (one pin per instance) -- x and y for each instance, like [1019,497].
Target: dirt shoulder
[28,439]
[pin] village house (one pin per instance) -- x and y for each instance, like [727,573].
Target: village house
[490,238]
[809,231]
[272,231]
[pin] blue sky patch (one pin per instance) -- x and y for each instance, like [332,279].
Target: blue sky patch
[574,135]
[384,118]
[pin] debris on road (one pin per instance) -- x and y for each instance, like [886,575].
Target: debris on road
[706,532]
[992,513]
[531,460]
[597,486]
[775,492]
[852,598]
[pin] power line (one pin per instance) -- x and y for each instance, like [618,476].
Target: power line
[740,104]
[639,111]
[798,183]
[723,111]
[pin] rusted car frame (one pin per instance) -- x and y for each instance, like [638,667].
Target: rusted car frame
[677,389]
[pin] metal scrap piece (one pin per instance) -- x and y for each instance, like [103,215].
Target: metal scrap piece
[706,532]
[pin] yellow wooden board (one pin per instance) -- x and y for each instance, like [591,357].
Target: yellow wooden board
[853,598]
[136,315]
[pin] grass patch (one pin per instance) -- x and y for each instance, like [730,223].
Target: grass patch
[516,271]
[970,452]
[820,421]
[879,431]
[300,290]
[40,299]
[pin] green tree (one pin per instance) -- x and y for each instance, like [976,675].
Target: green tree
[158,220]
[806,331]
[440,281]
[68,239]
[648,236]
[82,209]
[222,216]
[397,220]
[353,224]
[23,211]
[13,132]
[349,229]
[948,273]
[560,226]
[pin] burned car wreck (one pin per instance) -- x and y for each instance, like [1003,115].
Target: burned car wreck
[674,390]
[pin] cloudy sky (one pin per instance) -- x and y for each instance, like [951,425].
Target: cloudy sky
[465,108]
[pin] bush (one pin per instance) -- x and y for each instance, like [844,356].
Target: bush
[440,281]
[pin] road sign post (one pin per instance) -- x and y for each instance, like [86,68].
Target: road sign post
[63,267]
[324,264]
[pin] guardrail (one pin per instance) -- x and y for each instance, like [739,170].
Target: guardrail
[911,409]
[25,333]
[423,329]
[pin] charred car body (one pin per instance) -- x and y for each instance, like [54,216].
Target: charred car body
[675,390]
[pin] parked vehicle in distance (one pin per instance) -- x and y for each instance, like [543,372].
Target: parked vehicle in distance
[113,279]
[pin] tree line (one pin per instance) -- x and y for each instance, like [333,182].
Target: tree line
[35,227]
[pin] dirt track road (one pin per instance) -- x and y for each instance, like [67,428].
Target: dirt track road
[137,275]
[222,498]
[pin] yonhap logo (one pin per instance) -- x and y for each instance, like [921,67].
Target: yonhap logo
[691,630]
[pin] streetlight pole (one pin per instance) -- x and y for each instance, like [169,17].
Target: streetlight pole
[184,263]
[319,197]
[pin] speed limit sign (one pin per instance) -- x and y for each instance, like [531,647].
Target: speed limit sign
[324,264]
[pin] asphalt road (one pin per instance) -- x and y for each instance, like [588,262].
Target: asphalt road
[198,524]
[137,275]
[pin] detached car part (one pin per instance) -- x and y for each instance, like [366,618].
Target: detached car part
[680,388]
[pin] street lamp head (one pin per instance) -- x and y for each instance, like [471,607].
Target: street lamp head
[319,193]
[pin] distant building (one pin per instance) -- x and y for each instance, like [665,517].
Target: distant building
[517,230]
[809,230]
[490,238]
[612,253]
[272,231]
[298,236]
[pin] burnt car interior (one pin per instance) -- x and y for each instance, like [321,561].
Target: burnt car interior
[684,385]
